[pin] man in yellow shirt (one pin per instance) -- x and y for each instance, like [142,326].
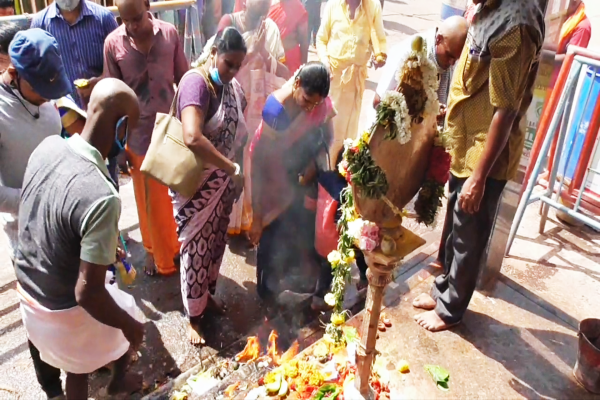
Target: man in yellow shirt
[348,30]
[490,93]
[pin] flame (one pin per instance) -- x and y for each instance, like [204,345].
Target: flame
[272,350]
[231,389]
[290,353]
[250,352]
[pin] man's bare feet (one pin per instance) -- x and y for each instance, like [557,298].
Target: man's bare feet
[195,332]
[150,268]
[432,322]
[424,302]
[128,384]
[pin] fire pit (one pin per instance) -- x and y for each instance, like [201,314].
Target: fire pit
[323,369]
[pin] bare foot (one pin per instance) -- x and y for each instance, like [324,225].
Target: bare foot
[195,334]
[128,384]
[424,301]
[432,322]
[150,268]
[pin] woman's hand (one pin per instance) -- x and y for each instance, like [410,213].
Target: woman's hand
[259,45]
[255,231]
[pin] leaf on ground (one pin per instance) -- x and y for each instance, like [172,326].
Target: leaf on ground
[439,375]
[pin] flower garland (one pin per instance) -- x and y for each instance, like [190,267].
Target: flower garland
[414,100]
[430,196]
[359,169]
[354,232]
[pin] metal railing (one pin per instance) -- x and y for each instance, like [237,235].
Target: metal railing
[552,196]
[181,13]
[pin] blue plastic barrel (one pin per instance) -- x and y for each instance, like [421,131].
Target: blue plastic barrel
[581,118]
[451,8]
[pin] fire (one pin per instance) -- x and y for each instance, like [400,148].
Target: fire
[231,390]
[250,352]
[290,353]
[272,350]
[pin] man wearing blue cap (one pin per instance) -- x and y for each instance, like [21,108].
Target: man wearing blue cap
[35,75]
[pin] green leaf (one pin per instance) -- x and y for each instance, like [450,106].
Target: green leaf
[439,375]
[350,334]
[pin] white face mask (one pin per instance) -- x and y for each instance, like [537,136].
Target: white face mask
[67,5]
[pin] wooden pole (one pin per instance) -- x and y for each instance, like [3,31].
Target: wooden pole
[378,280]
[380,274]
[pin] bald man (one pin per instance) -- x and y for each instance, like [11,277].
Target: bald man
[444,45]
[67,239]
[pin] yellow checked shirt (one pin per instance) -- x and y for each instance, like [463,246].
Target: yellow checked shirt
[497,69]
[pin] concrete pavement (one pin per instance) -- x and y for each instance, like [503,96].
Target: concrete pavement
[166,351]
[564,258]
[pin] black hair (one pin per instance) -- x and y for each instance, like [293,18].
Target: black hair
[314,78]
[7,4]
[229,40]
[8,31]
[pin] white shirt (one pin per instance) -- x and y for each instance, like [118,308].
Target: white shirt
[20,134]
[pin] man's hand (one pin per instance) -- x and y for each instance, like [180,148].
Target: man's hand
[86,91]
[134,333]
[469,198]
[378,64]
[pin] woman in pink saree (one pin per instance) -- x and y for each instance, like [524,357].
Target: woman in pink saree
[295,130]
[262,73]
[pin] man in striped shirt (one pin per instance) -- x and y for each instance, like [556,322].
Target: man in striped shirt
[80,28]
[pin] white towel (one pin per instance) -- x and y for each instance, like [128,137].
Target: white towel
[72,339]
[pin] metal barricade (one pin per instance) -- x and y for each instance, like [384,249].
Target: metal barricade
[187,22]
[553,194]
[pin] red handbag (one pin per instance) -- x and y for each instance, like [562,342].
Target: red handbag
[326,234]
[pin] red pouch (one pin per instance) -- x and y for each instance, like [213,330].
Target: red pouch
[326,234]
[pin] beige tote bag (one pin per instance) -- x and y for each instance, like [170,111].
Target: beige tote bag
[168,159]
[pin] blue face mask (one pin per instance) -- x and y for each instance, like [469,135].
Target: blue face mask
[214,75]
[119,144]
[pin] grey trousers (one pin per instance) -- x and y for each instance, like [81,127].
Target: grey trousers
[466,238]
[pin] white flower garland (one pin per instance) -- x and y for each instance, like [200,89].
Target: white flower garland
[397,102]
[430,78]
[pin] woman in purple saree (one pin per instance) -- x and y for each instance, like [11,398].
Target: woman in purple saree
[210,105]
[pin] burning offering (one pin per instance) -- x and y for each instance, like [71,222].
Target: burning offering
[250,352]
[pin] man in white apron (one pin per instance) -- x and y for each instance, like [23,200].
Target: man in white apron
[68,230]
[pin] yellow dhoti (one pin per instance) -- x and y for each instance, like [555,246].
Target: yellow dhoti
[347,88]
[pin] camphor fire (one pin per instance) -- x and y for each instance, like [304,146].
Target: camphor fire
[251,352]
